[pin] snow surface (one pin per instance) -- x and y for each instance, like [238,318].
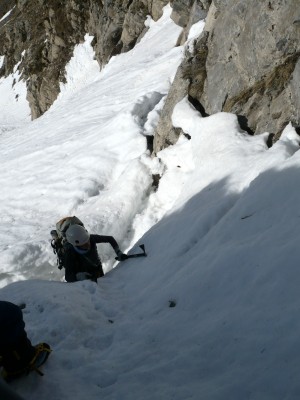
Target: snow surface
[212,312]
[14,108]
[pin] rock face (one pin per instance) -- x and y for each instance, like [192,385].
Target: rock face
[5,6]
[187,12]
[40,35]
[191,74]
[119,24]
[254,72]
[245,62]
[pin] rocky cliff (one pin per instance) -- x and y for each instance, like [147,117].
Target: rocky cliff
[40,35]
[246,61]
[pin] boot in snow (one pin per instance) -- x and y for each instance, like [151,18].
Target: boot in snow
[15,364]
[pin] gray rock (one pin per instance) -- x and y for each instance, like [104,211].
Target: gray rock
[165,134]
[189,79]
[246,62]
[253,51]
[47,31]
[156,8]
[198,11]
[181,11]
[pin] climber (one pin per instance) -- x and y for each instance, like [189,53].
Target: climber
[17,355]
[81,258]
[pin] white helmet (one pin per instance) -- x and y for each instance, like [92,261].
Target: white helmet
[77,235]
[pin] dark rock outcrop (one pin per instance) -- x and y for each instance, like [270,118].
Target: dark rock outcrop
[5,6]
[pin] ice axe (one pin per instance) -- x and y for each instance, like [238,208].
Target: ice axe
[143,254]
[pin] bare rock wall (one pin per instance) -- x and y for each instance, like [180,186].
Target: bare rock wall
[245,62]
[40,35]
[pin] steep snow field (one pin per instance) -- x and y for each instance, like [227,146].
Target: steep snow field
[212,312]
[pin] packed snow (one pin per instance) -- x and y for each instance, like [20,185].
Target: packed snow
[212,311]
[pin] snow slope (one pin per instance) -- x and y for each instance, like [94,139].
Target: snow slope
[87,155]
[212,312]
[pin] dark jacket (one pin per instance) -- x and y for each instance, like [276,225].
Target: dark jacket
[7,393]
[16,349]
[89,262]
[12,324]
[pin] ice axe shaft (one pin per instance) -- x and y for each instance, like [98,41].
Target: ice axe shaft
[143,254]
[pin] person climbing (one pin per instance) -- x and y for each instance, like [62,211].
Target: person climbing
[81,258]
[17,355]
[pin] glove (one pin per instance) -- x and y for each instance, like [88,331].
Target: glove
[121,256]
[82,276]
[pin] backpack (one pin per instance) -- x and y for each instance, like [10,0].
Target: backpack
[59,241]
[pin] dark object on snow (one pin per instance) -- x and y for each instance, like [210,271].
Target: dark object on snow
[155,181]
[77,252]
[143,254]
[59,241]
[172,303]
[76,262]
[18,356]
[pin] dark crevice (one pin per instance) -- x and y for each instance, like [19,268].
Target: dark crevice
[270,140]
[129,3]
[150,140]
[243,122]
[199,107]
[297,129]
[155,181]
